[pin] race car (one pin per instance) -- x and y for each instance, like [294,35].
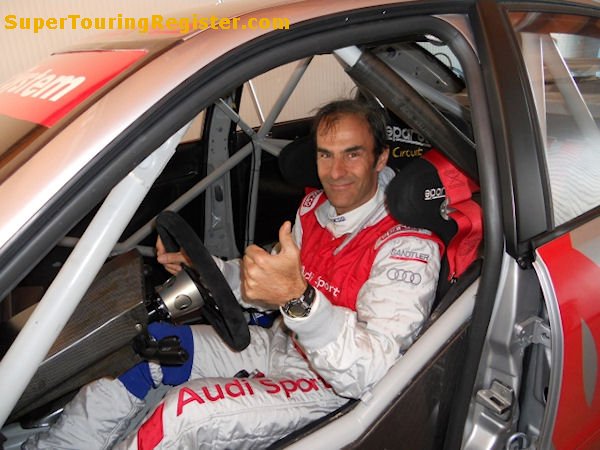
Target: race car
[211,123]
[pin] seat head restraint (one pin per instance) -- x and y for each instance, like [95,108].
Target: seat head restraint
[432,193]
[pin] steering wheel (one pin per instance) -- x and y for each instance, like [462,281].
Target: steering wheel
[220,308]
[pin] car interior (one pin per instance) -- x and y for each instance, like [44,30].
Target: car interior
[235,185]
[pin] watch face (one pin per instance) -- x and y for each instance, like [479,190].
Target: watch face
[297,310]
[300,307]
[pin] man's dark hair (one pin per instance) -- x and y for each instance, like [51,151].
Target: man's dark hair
[329,114]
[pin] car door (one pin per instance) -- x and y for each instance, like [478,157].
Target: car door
[561,54]
[536,382]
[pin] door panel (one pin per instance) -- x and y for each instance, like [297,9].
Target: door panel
[569,267]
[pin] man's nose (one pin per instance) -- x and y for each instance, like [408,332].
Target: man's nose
[338,168]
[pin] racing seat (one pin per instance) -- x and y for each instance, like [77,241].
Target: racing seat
[432,193]
[418,197]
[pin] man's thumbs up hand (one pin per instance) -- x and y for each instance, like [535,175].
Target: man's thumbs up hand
[273,279]
[286,241]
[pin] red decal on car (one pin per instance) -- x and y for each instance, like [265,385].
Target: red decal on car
[46,93]
[576,281]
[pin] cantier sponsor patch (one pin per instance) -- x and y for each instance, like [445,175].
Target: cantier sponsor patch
[409,254]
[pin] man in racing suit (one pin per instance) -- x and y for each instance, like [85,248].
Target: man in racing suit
[354,288]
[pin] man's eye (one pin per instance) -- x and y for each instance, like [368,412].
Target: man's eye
[322,155]
[353,155]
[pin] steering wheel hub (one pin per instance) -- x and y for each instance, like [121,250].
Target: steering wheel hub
[180,295]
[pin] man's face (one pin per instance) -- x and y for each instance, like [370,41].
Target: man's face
[346,162]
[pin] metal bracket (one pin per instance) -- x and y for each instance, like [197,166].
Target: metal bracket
[167,351]
[533,330]
[498,399]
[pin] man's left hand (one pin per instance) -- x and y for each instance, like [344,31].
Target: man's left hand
[273,279]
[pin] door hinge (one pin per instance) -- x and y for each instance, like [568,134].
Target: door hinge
[533,331]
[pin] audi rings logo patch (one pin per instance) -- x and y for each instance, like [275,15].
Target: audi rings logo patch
[405,276]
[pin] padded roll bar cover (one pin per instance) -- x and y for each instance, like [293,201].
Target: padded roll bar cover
[401,98]
[297,163]
[414,198]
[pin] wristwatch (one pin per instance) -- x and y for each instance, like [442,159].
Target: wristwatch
[299,307]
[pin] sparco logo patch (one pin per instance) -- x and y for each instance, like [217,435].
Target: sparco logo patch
[407,135]
[433,193]
[309,201]
[404,276]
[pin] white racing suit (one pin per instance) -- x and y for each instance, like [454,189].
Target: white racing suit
[375,282]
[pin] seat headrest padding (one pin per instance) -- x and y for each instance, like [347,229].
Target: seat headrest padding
[414,198]
[297,163]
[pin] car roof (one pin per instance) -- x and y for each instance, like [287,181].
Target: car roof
[161,61]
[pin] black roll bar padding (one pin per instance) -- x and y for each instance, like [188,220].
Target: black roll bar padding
[402,99]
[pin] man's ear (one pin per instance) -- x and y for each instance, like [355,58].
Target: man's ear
[382,160]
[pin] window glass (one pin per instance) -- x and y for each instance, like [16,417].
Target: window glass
[443,53]
[561,53]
